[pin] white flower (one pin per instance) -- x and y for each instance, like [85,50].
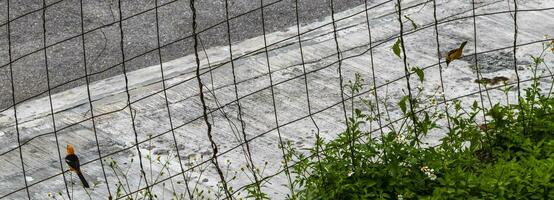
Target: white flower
[404,164]
[350,173]
[432,177]
[400,197]
[430,173]
[400,139]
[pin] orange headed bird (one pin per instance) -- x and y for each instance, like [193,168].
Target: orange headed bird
[73,161]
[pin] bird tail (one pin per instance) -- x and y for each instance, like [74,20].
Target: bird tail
[463,45]
[83,180]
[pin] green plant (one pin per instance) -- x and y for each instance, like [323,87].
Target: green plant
[509,157]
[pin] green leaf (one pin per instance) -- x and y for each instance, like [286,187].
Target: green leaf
[396,48]
[537,60]
[457,105]
[358,112]
[412,21]
[419,73]
[402,104]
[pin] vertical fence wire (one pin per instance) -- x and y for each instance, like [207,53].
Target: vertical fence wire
[407,71]
[164,88]
[232,126]
[10,60]
[339,58]
[204,107]
[476,62]
[89,97]
[248,153]
[439,56]
[50,98]
[281,143]
[305,76]
[373,77]
[517,71]
[129,98]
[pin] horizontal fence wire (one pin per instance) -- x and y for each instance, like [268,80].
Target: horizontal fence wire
[201,71]
[445,20]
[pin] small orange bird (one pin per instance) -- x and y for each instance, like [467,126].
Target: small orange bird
[73,161]
[455,53]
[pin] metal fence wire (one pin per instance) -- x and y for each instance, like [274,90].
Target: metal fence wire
[105,185]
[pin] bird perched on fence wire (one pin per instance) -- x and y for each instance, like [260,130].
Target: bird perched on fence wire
[455,53]
[73,161]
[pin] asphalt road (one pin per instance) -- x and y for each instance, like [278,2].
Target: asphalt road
[103,51]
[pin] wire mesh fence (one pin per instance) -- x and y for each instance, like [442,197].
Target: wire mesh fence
[237,93]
